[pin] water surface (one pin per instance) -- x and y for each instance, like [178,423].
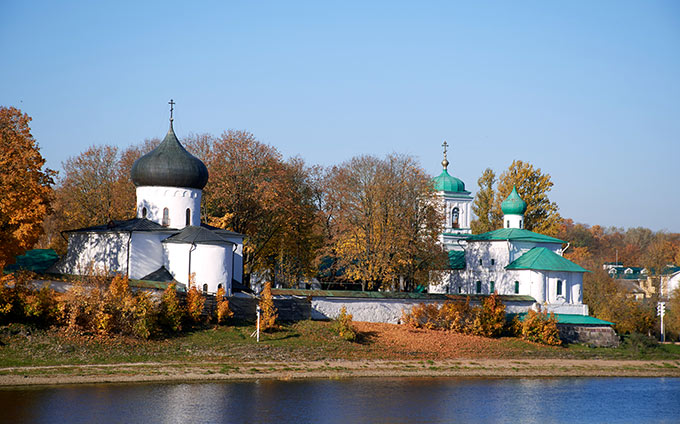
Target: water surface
[389,400]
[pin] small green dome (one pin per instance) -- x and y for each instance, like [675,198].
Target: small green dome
[445,182]
[514,205]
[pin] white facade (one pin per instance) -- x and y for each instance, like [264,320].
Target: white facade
[513,221]
[458,212]
[173,207]
[211,265]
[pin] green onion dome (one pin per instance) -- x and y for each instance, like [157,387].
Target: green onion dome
[514,205]
[169,165]
[446,182]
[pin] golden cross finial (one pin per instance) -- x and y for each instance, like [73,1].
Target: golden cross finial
[445,162]
[172,107]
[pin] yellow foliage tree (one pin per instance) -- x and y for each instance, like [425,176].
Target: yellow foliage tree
[268,313]
[223,311]
[195,301]
[26,186]
[533,187]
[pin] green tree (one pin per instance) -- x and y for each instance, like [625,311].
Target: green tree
[533,187]
[483,204]
[26,186]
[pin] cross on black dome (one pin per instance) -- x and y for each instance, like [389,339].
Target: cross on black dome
[169,165]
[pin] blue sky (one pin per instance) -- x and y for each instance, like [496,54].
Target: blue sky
[587,91]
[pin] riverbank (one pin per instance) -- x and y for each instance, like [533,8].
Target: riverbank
[308,349]
[209,371]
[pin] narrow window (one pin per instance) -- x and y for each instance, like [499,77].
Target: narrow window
[455,213]
[492,287]
[479,287]
[188,213]
[219,286]
[559,287]
[480,261]
[520,223]
[493,262]
[205,288]
[516,287]
[144,212]
[460,290]
[166,217]
[507,224]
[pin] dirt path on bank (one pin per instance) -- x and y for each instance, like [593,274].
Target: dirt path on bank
[207,372]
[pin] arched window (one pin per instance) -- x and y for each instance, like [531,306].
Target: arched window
[479,287]
[516,287]
[455,213]
[219,286]
[492,287]
[144,212]
[188,214]
[559,287]
[166,218]
[205,288]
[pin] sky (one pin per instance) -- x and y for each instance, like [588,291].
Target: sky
[587,91]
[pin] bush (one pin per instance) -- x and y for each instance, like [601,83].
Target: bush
[268,313]
[639,343]
[491,319]
[195,303]
[223,311]
[343,326]
[540,328]
[170,313]
[460,317]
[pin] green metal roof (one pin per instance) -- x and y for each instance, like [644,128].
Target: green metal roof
[446,182]
[394,295]
[540,258]
[514,234]
[36,260]
[514,205]
[456,259]
[573,319]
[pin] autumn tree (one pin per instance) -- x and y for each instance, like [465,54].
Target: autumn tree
[268,313]
[386,224]
[533,187]
[483,204]
[95,188]
[253,191]
[26,186]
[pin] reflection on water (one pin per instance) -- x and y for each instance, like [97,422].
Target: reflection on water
[397,400]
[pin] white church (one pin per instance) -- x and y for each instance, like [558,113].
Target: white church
[507,261]
[166,240]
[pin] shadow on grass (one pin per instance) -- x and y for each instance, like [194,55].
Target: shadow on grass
[366,337]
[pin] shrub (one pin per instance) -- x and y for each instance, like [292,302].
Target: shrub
[540,328]
[343,326]
[491,318]
[457,316]
[170,313]
[268,313]
[195,303]
[223,311]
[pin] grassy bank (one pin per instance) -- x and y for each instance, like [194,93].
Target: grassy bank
[305,349]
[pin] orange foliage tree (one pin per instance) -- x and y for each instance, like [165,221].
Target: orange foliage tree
[26,186]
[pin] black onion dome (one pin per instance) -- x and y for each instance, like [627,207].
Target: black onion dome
[169,165]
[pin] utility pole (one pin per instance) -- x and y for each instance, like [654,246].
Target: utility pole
[661,311]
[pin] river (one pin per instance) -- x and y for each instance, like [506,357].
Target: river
[389,400]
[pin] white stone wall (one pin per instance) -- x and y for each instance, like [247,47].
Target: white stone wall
[97,252]
[176,199]
[513,221]
[146,253]
[381,310]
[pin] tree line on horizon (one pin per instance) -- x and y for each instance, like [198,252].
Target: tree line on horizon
[368,220]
